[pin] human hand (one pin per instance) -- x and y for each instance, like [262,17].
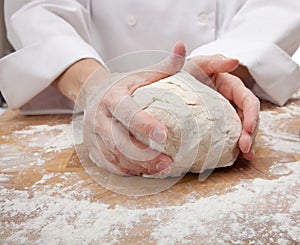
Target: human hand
[111,117]
[215,72]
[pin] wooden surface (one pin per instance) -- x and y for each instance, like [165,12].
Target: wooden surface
[48,198]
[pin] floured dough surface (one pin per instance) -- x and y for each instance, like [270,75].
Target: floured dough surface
[203,126]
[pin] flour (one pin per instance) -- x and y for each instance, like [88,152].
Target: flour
[42,138]
[4,177]
[279,170]
[63,138]
[248,201]
[274,128]
[214,219]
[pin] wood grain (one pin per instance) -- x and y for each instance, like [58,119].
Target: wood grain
[22,174]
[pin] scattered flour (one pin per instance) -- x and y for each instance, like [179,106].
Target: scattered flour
[274,128]
[62,140]
[4,177]
[279,169]
[43,138]
[250,211]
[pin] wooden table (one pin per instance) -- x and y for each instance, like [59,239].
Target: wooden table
[48,198]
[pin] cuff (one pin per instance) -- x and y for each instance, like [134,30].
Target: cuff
[30,70]
[276,75]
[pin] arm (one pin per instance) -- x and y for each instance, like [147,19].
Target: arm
[70,82]
[42,54]
[262,36]
[62,55]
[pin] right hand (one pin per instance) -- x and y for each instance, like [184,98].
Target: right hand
[216,69]
[111,116]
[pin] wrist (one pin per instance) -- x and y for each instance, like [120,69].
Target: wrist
[72,80]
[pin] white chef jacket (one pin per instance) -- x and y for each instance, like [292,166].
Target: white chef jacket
[50,35]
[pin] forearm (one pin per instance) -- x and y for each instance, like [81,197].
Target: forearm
[72,80]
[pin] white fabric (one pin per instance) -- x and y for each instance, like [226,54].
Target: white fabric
[2,110]
[296,56]
[50,35]
[5,47]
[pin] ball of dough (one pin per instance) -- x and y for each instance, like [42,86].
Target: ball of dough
[203,126]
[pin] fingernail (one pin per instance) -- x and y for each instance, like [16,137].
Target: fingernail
[253,129]
[249,148]
[162,165]
[158,135]
[166,170]
[225,59]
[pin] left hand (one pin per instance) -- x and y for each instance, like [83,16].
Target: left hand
[112,119]
[216,69]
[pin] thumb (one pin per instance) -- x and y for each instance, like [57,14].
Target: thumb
[173,64]
[168,67]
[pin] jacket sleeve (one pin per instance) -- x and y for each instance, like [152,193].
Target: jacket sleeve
[263,35]
[48,37]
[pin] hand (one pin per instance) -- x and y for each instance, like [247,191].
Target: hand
[215,72]
[112,117]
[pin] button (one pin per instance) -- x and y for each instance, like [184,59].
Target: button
[203,18]
[131,20]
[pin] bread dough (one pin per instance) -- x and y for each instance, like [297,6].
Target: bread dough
[203,127]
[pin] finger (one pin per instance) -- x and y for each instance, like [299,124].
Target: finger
[215,64]
[232,88]
[180,49]
[138,168]
[120,161]
[119,141]
[171,65]
[139,154]
[193,69]
[251,111]
[108,160]
[247,104]
[101,160]
[109,156]
[248,155]
[131,115]
[240,114]
[115,163]
[245,141]
[168,67]
[160,162]
[100,155]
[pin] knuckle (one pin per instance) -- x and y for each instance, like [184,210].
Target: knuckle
[106,100]
[115,149]
[150,165]
[111,157]
[99,127]
[177,62]
[218,56]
